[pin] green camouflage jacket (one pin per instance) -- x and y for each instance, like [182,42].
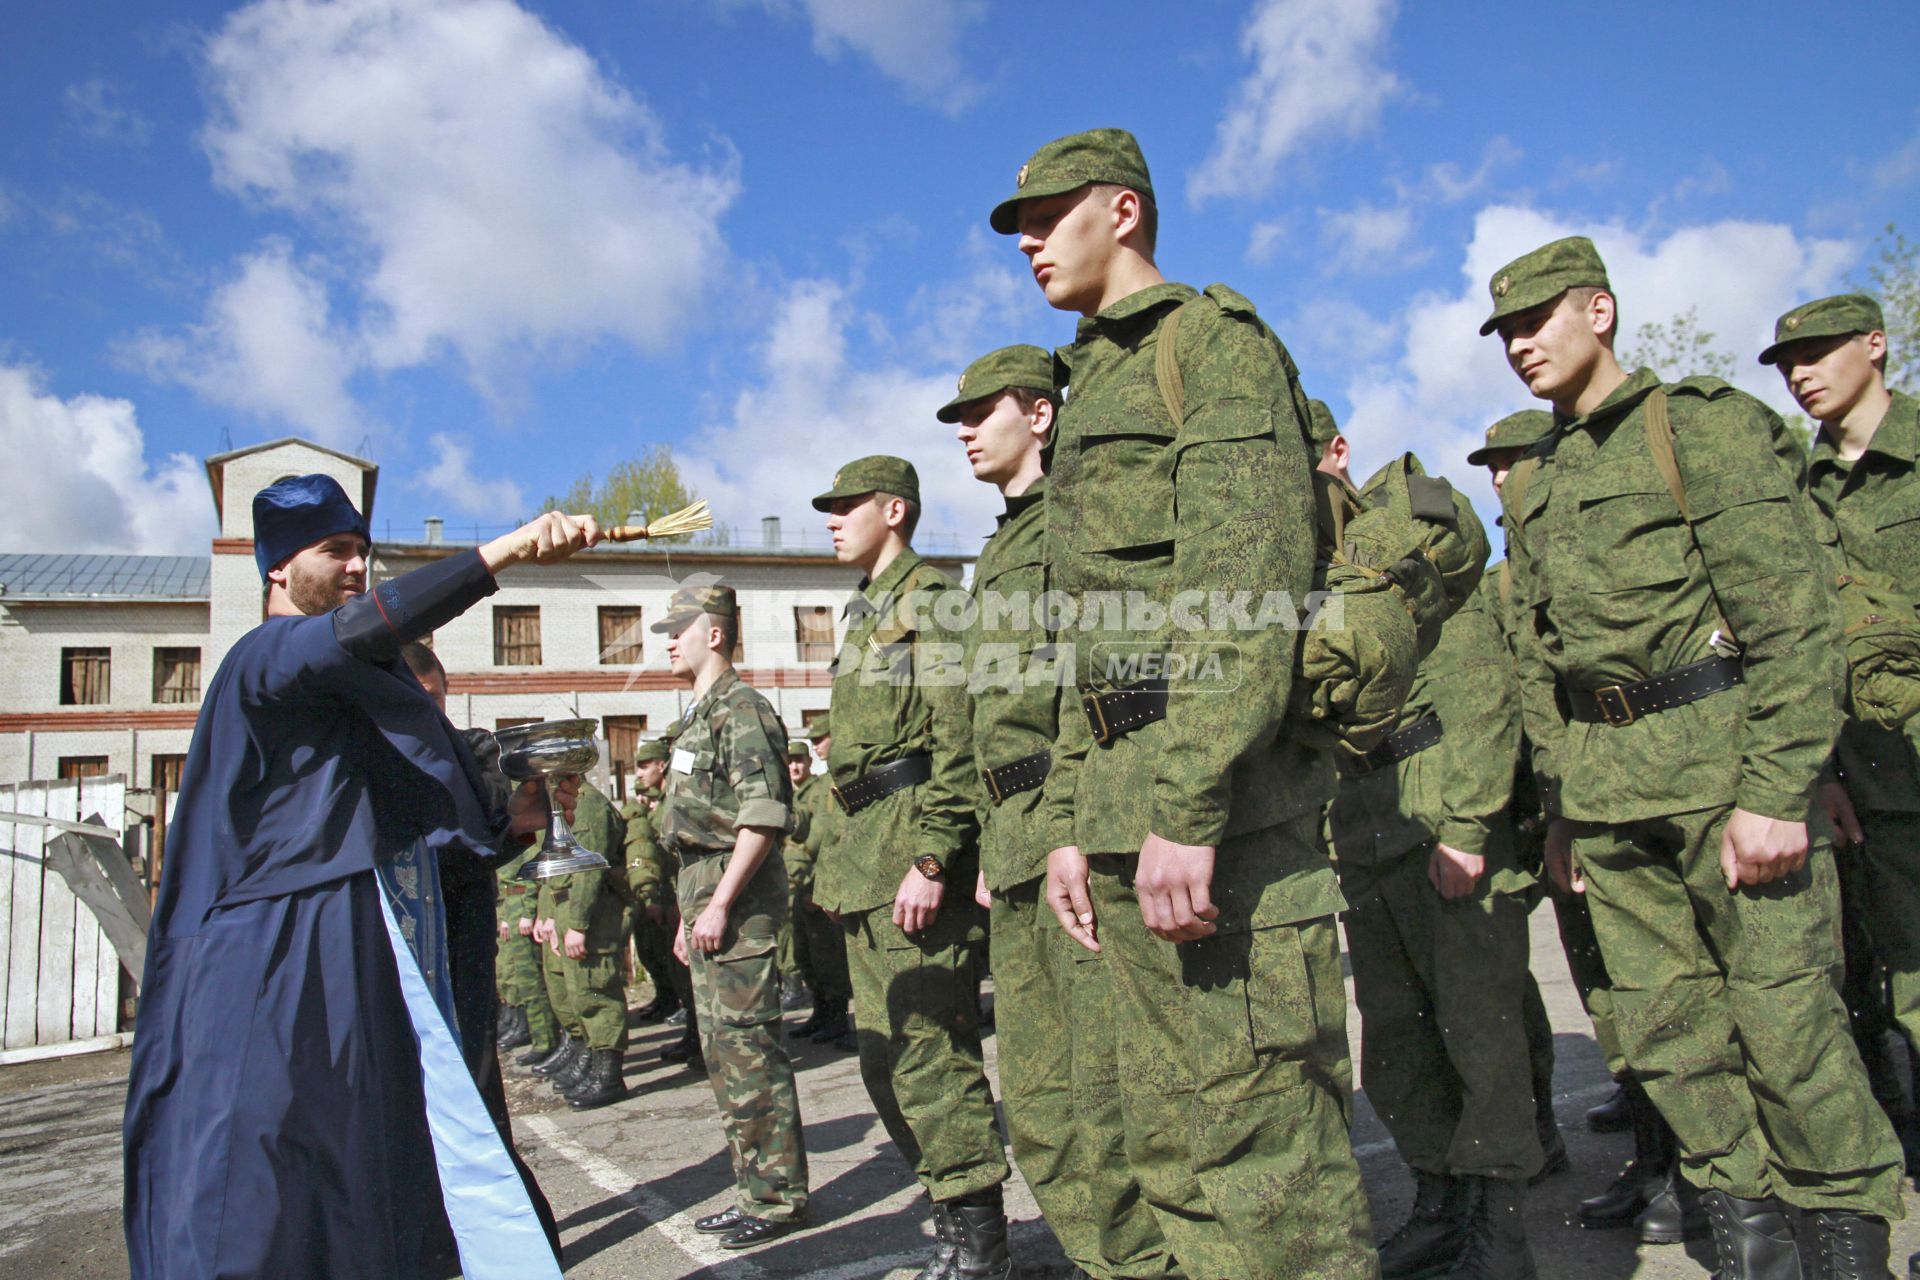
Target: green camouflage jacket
[1208,521]
[1459,790]
[597,903]
[729,771]
[516,897]
[1872,510]
[1610,585]
[1015,685]
[897,692]
[801,835]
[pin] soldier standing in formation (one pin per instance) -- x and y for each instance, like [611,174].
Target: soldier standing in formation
[1437,931]
[900,870]
[818,941]
[1195,860]
[584,925]
[725,809]
[651,887]
[1058,1068]
[517,970]
[1680,668]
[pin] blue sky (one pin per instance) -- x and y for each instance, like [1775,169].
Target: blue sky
[498,244]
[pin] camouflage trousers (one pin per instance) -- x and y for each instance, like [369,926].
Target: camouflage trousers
[653,946]
[1060,1074]
[820,952]
[597,992]
[1236,1090]
[1589,972]
[1441,986]
[1884,902]
[553,972]
[919,1036]
[736,995]
[1728,1011]
[522,981]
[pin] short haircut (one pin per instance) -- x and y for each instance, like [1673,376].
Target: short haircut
[1581,294]
[729,626]
[912,520]
[421,660]
[1028,397]
[1149,213]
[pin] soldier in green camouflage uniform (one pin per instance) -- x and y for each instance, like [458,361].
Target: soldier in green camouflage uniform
[1059,1068]
[901,865]
[1437,931]
[794,974]
[1832,353]
[592,917]
[819,942]
[1199,819]
[1679,765]
[725,810]
[517,969]
[652,886]
[570,1055]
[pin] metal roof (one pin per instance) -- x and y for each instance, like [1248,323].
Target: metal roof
[124,577]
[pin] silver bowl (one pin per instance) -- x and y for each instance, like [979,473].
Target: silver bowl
[541,751]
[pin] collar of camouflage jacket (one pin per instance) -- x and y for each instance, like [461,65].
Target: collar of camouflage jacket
[1125,311]
[1017,503]
[1638,386]
[1897,436]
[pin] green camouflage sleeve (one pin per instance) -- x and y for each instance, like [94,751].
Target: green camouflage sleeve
[1541,717]
[753,745]
[1473,692]
[598,826]
[646,866]
[948,798]
[1054,813]
[1756,537]
[1243,527]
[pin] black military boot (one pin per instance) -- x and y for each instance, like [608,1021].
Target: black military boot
[562,1055]
[814,1018]
[1496,1246]
[1913,1266]
[1846,1246]
[603,1082]
[663,1005]
[1628,1195]
[687,1052]
[792,994]
[1613,1115]
[516,1033]
[946,1245]
[833,1021]
[1752,1239]
[1431,1238]
[980,1224]
[1674,1214]
[570,1076]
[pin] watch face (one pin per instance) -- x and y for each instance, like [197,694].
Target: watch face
[928,865]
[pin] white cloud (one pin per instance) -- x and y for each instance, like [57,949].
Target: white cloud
[1447,383]
[267,347]
[452,477]
[912,42]
[1369,240]
[488,190]
[95,108]
[1316,73]
[1264,241]
[90,487]
[814,404]
[1448,183]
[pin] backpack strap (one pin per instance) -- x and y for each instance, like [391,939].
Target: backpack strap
[1166,365]
[1660,444]
[1514,491]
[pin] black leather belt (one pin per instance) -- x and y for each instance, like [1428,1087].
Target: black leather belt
[1116,714]
[1023,774]
[1619,704]
[1400,744]
[879,783]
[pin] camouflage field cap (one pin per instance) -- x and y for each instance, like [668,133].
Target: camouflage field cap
[652,749]
[1825,318]
[818,729]
[690,602]
[1023,365]
[1542,276]
[1515,431]
[799,749]
[1069,163]
[879,473]
[1321,428]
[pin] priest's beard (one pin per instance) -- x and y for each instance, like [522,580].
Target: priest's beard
[318,591]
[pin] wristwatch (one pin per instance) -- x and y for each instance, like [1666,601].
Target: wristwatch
[929,866]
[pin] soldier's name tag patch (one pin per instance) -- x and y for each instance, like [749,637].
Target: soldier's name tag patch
[682,760]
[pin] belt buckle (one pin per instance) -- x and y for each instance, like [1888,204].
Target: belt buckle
[1626,714]
[993,787]
[840,797]
[1361,765]
[1097,719]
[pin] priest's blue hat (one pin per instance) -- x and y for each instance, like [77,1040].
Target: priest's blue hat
[295,512]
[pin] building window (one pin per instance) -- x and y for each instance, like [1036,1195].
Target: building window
[516,635]
[813,633]
[75,767]
[619,636]
[623,738]
[176,675]
[84,676]
[166,772]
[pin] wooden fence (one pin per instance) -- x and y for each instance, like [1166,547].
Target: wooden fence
[60,976]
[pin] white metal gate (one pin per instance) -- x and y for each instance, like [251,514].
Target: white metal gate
[59,974]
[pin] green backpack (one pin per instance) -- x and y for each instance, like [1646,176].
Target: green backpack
[1395,559]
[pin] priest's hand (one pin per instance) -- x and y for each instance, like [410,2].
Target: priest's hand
[527,809]
[566,794]
[549,537]
[574,945]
